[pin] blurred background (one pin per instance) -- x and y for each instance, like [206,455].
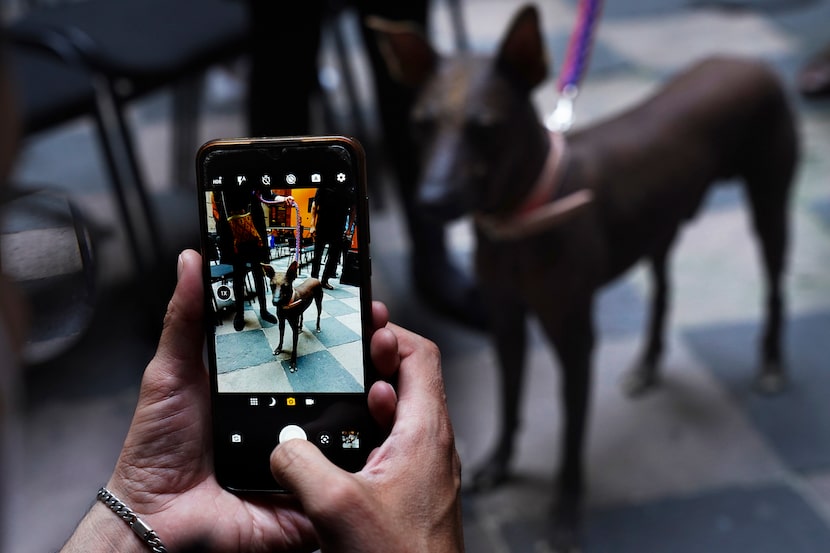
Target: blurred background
[702,464]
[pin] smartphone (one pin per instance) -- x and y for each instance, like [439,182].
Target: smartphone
[285,244]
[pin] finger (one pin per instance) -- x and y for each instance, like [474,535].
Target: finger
[183,333]
[303,469]
[420,384]
[382,404]
[384,352]
[380,315]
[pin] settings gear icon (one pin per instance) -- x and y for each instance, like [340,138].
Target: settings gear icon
[341,177]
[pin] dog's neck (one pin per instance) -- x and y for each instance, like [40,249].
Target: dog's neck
[548,182]
[288,296]
[542,208]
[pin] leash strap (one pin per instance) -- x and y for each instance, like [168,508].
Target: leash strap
[298,234]
[576,61]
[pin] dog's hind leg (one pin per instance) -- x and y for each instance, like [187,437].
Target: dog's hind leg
[318,299]
[769,178]
[770,224]
[645,376]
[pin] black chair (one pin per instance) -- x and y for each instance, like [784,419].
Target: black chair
[49,92]
[125,49]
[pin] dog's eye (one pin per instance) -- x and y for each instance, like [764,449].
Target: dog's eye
[483,124]
[422,121]
[484,119]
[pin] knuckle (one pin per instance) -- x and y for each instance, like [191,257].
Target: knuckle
[342,496]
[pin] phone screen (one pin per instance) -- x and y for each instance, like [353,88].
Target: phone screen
[285,242]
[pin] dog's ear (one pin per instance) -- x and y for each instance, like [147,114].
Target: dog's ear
[407,53]
[291,273]
[522,52]
[268,270]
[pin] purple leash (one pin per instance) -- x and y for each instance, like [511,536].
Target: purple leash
[298,234]
[576,62]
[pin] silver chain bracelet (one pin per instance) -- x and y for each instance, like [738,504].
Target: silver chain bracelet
[141,529]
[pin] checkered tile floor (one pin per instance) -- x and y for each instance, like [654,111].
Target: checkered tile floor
[328,361]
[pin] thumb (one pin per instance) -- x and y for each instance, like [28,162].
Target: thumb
[303,469]
[183,333]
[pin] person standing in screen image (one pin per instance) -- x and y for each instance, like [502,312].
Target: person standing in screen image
[332,217]
[240,224]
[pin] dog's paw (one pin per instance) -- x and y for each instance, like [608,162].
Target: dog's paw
[772,379]
[562,538]
[639,380]
[566,523]
[488,477]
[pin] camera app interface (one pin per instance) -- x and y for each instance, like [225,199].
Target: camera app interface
[283,242]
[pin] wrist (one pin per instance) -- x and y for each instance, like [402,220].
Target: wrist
[102,530]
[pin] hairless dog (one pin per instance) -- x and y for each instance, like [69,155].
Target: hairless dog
[559,216]
[292,301]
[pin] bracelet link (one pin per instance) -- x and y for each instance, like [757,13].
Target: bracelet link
[141,528]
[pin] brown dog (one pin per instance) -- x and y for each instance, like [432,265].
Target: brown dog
[292,301]
[559,217]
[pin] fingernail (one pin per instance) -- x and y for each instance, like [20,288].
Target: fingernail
[179,267]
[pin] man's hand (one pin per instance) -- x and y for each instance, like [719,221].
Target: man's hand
[165,471]
[406,498]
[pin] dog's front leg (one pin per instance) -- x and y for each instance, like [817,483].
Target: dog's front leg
[573,339]
[296,325]
[281,318]
[509,332]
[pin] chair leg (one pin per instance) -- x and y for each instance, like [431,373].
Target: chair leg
[187,101]
[147,210]
[341,52]
[462,43]
[123,166]
[116,180]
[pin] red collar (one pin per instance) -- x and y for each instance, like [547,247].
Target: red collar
[537,212]
[548,180]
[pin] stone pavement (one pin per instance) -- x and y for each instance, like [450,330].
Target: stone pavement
[701,465]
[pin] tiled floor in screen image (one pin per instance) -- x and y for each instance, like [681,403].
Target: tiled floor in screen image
[328,361]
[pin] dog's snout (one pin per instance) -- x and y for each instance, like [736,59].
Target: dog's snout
[439,201]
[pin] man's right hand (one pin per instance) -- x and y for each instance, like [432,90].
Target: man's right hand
[406,498]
